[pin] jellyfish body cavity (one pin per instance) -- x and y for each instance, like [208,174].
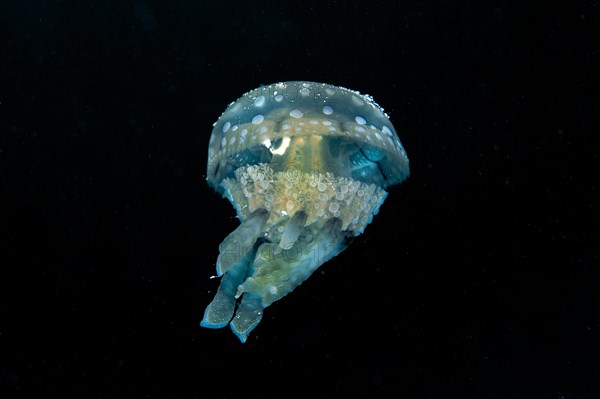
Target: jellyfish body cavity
[306,166]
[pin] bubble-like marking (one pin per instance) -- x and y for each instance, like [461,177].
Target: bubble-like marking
[263,129]
[321,187]
[360,120]
[234,107]
[234,128]
[223,142]
[326,122]
[333,207]
[296,113]
[314,122]
[279,98]
[364,220]
[327,110]
[357,101]
[258,119]
[379,136]
[232,140]
[304,92]
[323,197]
[360,129]
[226,126]
[386,130]
[339,196]
[260,101]
[329,91]
[286,126]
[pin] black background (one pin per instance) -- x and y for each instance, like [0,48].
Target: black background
[478,278]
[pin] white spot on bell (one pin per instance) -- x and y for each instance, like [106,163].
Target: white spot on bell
[258,119]
[360,120]
[357,101]
[260,101]
[327,110]
[296,113]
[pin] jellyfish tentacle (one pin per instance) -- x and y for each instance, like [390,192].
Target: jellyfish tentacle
[237,244]
[293,229]
[278,272]
[220,311]
[248,315]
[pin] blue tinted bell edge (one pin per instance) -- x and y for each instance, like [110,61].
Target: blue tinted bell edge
[292,91]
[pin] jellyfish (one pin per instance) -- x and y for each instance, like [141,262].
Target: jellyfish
[306,166]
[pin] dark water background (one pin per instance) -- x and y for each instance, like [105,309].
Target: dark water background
[478,279]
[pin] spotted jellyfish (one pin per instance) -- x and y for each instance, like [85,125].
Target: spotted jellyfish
[306,166]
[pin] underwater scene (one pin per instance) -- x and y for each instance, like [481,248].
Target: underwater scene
[299,199]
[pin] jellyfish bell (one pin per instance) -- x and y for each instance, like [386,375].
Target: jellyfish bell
[306,166]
